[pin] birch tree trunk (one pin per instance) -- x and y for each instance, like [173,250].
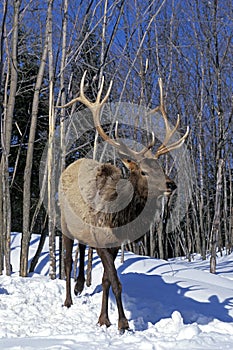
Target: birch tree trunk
[2,41]
[201,248]
[216,220]
[6,138]
[51,191]
[62,121]
[29,160]
[230,229]
[2,136]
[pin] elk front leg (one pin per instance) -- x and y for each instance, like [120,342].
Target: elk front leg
[107,257]
[68,245]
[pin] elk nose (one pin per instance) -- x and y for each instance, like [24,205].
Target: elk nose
[171,186]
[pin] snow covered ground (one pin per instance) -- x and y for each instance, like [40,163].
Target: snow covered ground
[170,305]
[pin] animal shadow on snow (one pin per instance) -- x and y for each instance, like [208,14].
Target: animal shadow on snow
[149,299]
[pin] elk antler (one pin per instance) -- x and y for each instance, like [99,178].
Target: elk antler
[165,148]
[128,151]
[95,108]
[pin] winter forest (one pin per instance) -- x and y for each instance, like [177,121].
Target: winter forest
[45,48]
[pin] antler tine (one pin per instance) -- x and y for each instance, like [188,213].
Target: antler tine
[98,103]
[169,133]
[152,143]
[116,129]
[148,147]
[100,91]
[93,106]
[173,146]
[165,148]
[81,97]
[130,152]
[101,103]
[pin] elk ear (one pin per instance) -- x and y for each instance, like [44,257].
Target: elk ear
[130,164]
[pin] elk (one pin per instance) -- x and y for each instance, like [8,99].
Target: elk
[90,212]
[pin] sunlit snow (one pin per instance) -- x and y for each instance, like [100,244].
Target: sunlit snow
[172,304]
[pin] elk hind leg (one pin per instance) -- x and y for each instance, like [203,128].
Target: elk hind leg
[81,278]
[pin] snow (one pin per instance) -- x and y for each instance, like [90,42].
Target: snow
[172,304]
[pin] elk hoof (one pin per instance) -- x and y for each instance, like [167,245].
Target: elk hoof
[104,321]
[68,303]
[79,286]
[123,325]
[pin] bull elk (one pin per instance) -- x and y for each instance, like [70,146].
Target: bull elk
[90,209]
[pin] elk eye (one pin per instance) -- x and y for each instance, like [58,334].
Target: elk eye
[144,173]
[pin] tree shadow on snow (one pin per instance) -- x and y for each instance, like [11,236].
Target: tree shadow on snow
[149,299]
[3,291]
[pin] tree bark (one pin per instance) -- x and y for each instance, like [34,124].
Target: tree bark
[40,248]
[51,190]
[62,120]
[6,138]
[215,231]
[29,160]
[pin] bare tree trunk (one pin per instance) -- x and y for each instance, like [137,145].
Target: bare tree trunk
[159,231]
[122,253]
[216,220]
[225,211]
[2,40]
[51,190]
[29,160]
[230,228]
[1,225]
[62,120]
[4,158]
[201,248]
[6,138]
[145,245]
[39,248]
